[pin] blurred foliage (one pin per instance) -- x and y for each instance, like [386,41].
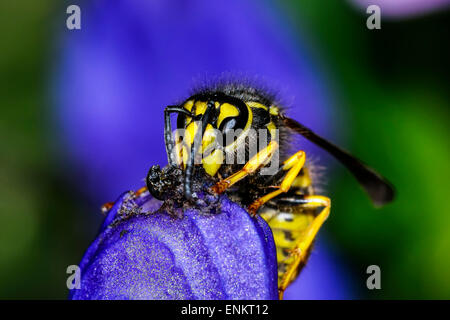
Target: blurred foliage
[392,88]
[40,214]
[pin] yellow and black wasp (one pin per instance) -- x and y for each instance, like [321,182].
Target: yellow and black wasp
[285,199]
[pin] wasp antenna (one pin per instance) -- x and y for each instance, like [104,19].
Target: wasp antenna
[379,189]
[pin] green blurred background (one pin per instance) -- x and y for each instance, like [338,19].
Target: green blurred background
[392,84]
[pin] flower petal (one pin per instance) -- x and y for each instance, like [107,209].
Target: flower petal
[227,255]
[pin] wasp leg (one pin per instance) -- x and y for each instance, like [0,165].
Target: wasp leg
[140,191]
[107,206]
[258,160]
[300,251]
[293,165]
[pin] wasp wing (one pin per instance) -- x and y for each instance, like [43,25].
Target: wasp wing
[379,189]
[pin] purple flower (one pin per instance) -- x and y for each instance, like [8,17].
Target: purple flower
[404,8]
[141,253]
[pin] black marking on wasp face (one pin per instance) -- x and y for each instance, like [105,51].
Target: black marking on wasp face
[229,114]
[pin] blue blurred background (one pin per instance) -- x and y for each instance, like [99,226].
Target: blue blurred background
[81,121]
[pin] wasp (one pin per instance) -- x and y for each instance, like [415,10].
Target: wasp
[285,198]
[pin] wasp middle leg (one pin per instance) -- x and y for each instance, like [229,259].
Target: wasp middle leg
[254,164]
[292,165]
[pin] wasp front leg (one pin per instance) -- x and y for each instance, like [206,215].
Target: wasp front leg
[107,206]
[254,164]
[292,165]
